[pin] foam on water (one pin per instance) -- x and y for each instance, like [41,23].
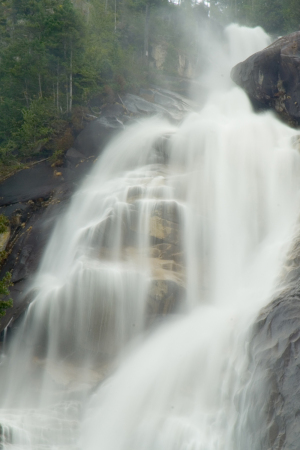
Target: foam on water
[191,223]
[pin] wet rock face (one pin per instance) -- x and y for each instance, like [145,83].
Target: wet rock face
[271,77]
[34,198]
[31,224]
[5,435]
[275,355]
[159,227]
[277,358]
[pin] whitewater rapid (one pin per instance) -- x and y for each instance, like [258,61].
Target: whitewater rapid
[139,332]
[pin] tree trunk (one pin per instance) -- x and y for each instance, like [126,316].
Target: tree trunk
[40,86]
[146,34]
[26,94]
[57,88]
[115,15]
[71,79]
[88,12]
[66,76]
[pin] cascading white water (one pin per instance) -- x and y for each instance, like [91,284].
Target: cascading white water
[191,223]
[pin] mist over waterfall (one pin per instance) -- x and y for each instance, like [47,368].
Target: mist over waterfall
[138,335]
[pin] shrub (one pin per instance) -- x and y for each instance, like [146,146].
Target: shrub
[4,223]
[5,283]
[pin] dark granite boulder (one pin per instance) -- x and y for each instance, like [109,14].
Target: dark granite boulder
[271,77]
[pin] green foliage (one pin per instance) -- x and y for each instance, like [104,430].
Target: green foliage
[275,16]
[7,156]
[56,158]
[39,123]
[42,43]
[5,283]
[3,256]
[4,223]
[54,57]
[291,15]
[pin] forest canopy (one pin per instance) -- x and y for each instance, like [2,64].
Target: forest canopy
[275,16]
[58,57]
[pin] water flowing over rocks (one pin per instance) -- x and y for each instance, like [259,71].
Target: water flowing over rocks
[271,77]
[34,198]
[151,280]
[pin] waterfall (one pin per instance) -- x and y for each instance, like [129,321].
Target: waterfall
[138,335]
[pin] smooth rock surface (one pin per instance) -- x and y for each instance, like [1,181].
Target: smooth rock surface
[28,184]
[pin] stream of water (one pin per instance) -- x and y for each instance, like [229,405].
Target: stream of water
[138,335]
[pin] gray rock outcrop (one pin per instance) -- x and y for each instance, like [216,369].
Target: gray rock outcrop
[271,77]
[275,360]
